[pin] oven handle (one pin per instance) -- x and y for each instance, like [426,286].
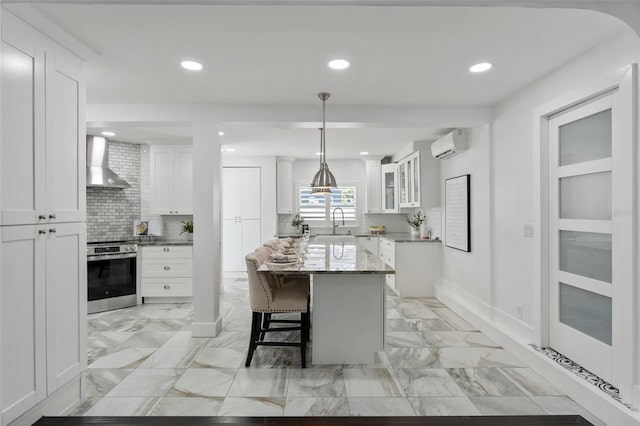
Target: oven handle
[111,257]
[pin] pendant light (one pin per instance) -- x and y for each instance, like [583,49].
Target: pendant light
[323,181]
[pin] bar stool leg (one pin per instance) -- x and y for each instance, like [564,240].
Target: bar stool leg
[256,320]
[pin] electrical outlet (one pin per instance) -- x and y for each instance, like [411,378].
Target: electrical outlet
[519,311]
[528,230]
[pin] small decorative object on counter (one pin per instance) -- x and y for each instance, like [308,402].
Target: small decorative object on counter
[376,229]
[297,221]
[187,228]
[415,222]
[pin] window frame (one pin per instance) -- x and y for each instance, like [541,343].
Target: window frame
[327,221]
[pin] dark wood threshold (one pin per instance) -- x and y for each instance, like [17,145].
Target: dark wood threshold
[558,420]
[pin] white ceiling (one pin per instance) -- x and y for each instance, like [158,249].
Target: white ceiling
[276,55]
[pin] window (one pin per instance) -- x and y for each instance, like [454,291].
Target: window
[317,208]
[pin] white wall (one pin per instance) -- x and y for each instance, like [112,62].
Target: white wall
[268,209]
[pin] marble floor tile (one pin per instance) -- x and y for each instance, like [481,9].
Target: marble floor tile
[316,382]
[380,407]
[85,405]
[412,358]
[530,382]
[392,314]
[243,407]
[454,320]
[128,324]
[164,325]
[371,382]
[107,339]
[184,338]
[483,382]
[428,382]
[317,407]
[125,358]
[403,339]
[444,406]
[380,361]
[146,383]
[230,339]
[453,339]
[475,357]
[220,358]
[427,325]
[172,357]
[167,313]
[187,406]
[147,339]
[565,405]
[238,324]
[122,406]
[505,405]
[204,382]
[410,308]
[259,383]
[100,381]
[277,357]
[431,302]
[398,325]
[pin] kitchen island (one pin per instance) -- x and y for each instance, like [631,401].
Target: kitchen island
[348,313]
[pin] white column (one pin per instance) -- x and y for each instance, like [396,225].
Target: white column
[207,236]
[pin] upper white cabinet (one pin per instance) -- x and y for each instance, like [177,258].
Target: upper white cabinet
[43,134]
[284,188]
[389,185]
[372,179]
[409,180]
[171,169]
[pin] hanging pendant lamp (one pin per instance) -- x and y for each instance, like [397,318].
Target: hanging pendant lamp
[323,181]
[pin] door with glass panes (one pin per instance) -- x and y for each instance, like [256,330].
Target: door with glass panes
[589,243]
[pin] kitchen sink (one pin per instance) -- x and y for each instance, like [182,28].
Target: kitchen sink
[334,238]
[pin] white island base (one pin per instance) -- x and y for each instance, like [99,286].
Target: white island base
[348,317]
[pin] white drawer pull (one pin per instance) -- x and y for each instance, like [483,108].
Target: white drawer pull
[166,249]
[167,268]
[167,287]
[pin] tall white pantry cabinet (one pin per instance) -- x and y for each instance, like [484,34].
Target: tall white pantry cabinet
[43,292]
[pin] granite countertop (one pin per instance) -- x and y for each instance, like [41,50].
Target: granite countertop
[164,243]
[333,258]
[406,237]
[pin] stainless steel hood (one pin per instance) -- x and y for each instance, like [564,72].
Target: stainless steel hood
[98,172]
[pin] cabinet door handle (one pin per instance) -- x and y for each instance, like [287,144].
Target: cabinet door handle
[42,232]
[52,230]
[41,217]
[167,268]
[52,216]
[167,287]
[166,249]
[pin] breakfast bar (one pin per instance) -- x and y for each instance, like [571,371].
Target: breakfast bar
[348,294]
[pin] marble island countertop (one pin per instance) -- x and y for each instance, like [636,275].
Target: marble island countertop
[398,237]
[332,258]
[163,242]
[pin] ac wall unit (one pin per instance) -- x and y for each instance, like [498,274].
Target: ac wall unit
[450,145]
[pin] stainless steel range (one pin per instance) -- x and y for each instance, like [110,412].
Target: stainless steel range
[111,275]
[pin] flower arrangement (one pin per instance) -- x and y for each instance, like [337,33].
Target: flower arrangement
[297,221]
[187,227]
[416,220]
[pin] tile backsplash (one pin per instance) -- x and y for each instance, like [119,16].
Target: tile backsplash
[111,212]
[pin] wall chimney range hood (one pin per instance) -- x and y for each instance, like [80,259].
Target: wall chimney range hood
[98,172]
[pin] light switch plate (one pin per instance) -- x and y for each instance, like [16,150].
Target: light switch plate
[528,230]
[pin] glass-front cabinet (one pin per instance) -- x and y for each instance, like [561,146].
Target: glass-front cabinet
[409,180]
[390,188]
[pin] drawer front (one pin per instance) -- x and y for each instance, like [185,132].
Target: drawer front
[388,254]
[369,243]
[391,281]
[167,252]
[170,268]
[162,287]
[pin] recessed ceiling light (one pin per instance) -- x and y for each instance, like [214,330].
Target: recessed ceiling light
[191,65]
[338,64]
[364,153]
[481,67]
[220,133]
[108,133]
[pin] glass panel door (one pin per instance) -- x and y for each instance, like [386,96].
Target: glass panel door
[389,188]
[404,194]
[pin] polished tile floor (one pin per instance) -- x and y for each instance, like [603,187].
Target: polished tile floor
[143,361]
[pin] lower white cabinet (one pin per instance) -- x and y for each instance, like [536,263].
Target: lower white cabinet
[240,237]
[416,264]
[167,271]
[368,242]
[44,298]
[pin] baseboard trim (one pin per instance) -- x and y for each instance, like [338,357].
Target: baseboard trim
[206,329]
[60,403]
[516,338]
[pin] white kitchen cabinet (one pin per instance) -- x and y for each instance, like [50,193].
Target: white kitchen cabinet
[240,237]
[409,180]
[43,312]
[43,250]
[284,186]
[167,272]
[372,179]
[368,242]
[171,177]
[389,187]
[42,172]
[416,264]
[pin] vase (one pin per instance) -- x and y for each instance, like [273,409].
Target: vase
[415,232]
[190,236]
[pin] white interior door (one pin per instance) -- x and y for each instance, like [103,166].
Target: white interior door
[250,193]
[231,193]
[232,245]
[589,244]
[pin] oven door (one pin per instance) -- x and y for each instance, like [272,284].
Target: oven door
[111,276]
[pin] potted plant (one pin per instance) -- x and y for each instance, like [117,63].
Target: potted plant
[187,228]
[297,221]
[415,222]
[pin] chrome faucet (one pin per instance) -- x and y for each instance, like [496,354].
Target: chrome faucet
[335,226]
